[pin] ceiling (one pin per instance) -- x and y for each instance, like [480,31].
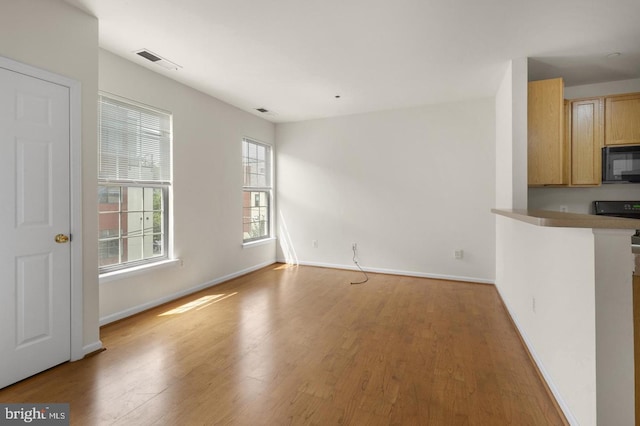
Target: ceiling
[294,57]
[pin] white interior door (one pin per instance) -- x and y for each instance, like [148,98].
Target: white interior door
[35,270]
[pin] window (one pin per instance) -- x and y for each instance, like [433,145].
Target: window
[257,190]
[134,184]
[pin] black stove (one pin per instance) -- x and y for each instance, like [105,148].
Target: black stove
[628,209]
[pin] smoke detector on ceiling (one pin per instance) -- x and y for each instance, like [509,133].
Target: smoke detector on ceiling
[157,59]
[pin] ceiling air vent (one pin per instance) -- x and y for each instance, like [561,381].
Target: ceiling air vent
[157,59]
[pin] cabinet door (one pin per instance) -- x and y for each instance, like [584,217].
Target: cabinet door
[546,154]
[622,123]
[586,141]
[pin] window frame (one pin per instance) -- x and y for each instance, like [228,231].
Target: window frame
[165,185]
[268,189]
[120,238]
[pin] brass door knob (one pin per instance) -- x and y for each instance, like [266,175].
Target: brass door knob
[61,239]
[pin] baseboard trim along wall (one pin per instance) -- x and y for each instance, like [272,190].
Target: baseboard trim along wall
[152,304]
[396,272]
[552,387]
[91,348]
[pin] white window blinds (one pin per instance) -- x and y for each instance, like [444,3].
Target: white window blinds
[135,143]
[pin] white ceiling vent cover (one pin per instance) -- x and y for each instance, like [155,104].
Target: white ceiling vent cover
[157,59]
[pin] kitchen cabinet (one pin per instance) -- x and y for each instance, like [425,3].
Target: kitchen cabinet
[547,154]
[622,122]
[584,140]
[564,137]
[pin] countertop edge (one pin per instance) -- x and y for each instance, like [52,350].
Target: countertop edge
[557,219]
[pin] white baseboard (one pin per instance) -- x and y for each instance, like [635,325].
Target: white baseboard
[91,347]
[152,304]
[554,390]
[397,272]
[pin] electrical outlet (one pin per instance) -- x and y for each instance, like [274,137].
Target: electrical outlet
[533,304]
[354,246]
[458,253]
[314,243]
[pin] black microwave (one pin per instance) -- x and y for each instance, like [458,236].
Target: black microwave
[621,164]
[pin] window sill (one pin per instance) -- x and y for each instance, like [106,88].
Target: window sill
[137,270]
[258,242]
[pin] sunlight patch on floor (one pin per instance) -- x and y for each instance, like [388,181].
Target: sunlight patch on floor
[198,304]
[284,266]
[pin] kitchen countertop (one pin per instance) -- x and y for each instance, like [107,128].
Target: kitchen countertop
[568,220]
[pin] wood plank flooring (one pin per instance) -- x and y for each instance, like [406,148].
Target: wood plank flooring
[301,346]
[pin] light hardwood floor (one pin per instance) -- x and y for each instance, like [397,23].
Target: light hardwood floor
[300,345]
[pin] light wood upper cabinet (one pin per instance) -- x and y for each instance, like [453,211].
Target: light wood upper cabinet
[622,122]
[585,140]
[546,153]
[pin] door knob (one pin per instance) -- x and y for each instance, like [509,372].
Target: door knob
[61,239]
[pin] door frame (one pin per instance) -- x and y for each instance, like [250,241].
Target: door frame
[75,192]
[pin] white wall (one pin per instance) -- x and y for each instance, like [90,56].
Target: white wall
[579,200]
[511,137]
[602,89]
[504,141]
[614,327]
[556,268]
[207,203]
[409,186]
[54,36]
